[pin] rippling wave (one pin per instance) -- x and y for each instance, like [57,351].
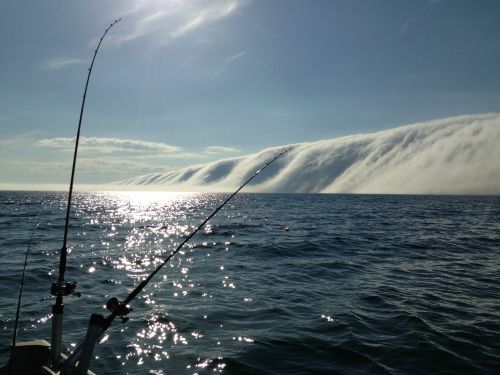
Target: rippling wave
[275,284]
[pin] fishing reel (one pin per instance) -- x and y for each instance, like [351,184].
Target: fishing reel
[118,308]
[64,289]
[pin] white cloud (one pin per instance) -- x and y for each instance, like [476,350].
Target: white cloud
[93,170]
[171,20]
[227,62]
[457,155]
[143,26]
[220,150]
[199,16]
[232,58]
[116,166]
[61,62]
[109,145]
[27,158]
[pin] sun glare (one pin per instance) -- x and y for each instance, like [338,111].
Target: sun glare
[149,197]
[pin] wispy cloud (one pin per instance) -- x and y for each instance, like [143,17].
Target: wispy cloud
[227,62]
[205,15]
[61,62]
[232,58]
[90,170]
[221,150]
[118,166]
[143,26]
[139,149]
[21,139]
[176,18]
[109,145]
[404,28]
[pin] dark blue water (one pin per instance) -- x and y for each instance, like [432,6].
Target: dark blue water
[356,285]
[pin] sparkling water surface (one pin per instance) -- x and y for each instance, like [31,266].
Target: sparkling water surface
[275,284]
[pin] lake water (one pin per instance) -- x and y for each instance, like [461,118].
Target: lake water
[275,284]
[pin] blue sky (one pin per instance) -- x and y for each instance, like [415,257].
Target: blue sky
[185,82]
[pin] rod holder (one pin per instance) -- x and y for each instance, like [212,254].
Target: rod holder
[96,327]
[56,337]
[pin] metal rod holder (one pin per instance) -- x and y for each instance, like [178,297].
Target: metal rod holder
[56,338]
[95,329]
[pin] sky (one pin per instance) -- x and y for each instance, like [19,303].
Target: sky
[178,83]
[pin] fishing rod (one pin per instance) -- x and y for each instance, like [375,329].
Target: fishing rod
[18,311]
[140,287]
[62,288]
[98,324]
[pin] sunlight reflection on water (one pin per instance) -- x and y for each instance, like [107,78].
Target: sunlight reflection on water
[136,231]
[353,278]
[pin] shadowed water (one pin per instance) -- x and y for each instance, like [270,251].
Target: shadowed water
[275,284]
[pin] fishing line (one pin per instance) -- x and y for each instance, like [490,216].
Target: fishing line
[121,309]
[64,250]
[18,311]
[61,288]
